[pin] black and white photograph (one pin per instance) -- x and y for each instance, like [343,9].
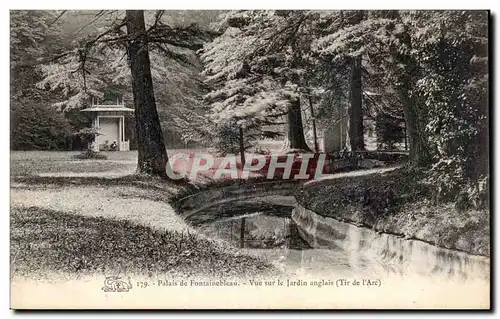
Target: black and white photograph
[250,159]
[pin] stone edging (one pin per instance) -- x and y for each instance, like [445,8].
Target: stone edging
[210,197]
[394,252]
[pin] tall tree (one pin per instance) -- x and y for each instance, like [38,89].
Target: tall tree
[344,68]
[405,78]
[152,154]
[313,120]
[356,134]
[256,69]
[294,138]
[99,67]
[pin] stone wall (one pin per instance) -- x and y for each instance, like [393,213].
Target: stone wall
[390,253]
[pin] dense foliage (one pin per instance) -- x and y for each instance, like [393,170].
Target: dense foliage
[279,72]
[38,126]
[259,70]
[435,64]
[428,68]
[389,131]
[34,124]
[55,60]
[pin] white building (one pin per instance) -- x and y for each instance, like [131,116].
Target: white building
[110,122]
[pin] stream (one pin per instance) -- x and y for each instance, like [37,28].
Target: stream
[300,242]
[264,226]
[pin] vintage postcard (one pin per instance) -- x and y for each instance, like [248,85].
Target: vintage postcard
[249,159]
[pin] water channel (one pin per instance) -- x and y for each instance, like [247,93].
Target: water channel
[301,242]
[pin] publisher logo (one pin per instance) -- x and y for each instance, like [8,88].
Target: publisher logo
[116,284]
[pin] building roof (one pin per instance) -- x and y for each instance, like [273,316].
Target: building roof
[108,108]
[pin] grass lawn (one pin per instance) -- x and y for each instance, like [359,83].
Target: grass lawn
[45,162]
[76,226]
[55,163]
[47,241]
[394,202]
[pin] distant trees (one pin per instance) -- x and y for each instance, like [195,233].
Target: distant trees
[429,62]
[34,35]
[120,51]
[428,68]
[36,126]
[256,68]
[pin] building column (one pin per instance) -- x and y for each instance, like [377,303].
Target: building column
[96,141]
[123,128]
[120,130]
[120,133]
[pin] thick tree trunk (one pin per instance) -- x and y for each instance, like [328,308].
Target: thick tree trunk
[415,128]
[419,153]
[242,147]
[356,136]
[294,138]
[315,134]
[152,155]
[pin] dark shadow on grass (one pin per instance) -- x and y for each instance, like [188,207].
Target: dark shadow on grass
[143,182]
[47,241]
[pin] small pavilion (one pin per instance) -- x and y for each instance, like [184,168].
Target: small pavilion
[109,119]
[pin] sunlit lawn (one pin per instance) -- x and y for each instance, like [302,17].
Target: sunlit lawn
[39,162]
[58,234]
[53,229]
[25,163]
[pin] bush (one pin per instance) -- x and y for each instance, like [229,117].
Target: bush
[88,134]
[90,154]
[226,139]
[37,126]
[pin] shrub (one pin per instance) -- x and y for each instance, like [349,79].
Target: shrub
[89,134]
[90,154]
[36,126]
[226,139]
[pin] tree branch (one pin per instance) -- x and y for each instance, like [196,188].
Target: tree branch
[58,17]
[169,54]
[191,37]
